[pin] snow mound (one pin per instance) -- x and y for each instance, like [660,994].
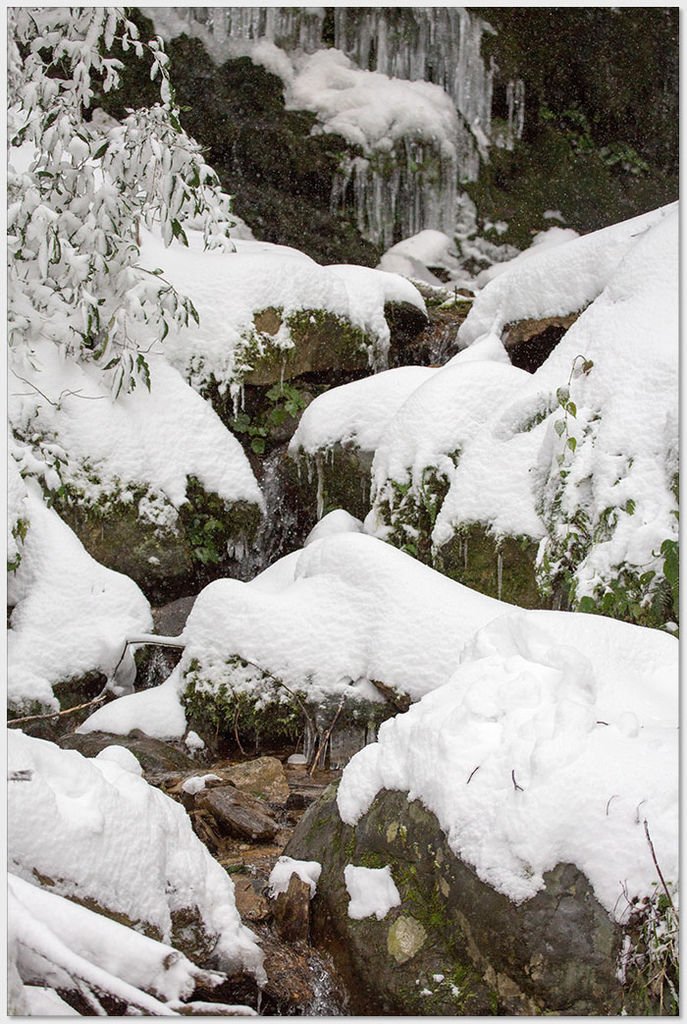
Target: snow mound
[554,280]
[157,711]
[413,257]
[556,740]
[227,289]
[372,891]
[307,870]
[542,240]
[120,842]
[322,622]
[71,614]
[356,413]
[147,441]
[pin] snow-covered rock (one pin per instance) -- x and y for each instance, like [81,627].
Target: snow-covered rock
[70,615]
[125,846]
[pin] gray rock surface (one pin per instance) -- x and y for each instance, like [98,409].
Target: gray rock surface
[454,945]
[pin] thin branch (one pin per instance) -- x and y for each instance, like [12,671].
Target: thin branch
[516,787]
[471,774]
[325,740]
[614,797]
[58,714]
[655,860]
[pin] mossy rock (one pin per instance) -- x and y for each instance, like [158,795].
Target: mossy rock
[553,954]
[322,342]
[479,560]
[165,562]
[263,715]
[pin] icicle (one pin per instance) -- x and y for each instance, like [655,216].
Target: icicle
[320,485]
[499,574]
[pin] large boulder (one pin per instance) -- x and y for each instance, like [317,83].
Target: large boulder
[454,946]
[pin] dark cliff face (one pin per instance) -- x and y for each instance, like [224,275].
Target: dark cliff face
[600,138]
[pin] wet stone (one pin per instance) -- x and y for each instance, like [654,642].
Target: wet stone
[237,813]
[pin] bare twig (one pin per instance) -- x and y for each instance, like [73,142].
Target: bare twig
[637,811]
[325,740]
[655,860]
[471,774]
[236,728]
[59,714]
[614,797]
[516,787]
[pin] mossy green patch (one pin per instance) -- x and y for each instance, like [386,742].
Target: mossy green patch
[502,567]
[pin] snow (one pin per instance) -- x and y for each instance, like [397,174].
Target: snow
[541,240]
[120,842]
[122,757]
[157,711]
[323,621]
[357,413]
[554,281]
[337,521]
[151,440]
[307,870]
[45,1002]
[197,783]
[121,952]
[566,727]
[193,741]
[70,614]
[413,257]
[369,109]
[228,288]
[499,436]
[372,891]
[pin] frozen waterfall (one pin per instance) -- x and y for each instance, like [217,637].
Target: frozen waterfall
[393,192]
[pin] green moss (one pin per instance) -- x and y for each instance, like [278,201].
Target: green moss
[212,524]
[265,713]
[472,558]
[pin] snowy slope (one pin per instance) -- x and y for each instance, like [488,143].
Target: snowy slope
[70,615]
[566,728]
[118,841]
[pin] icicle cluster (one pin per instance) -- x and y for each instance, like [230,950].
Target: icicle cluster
[415,186]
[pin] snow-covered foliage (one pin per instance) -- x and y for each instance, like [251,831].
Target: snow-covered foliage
[554,742]
[74,274]
[141,448]
[70,615]
[580,455]
[121,843]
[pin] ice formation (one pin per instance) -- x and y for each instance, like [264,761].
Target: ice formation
[399,185]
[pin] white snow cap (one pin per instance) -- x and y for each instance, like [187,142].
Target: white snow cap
[307,870]
[372,891]
[122,757]
[556,739]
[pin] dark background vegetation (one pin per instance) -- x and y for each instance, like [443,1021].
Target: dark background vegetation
[600,141]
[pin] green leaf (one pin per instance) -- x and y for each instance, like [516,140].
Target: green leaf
[571,408]
[572,444]
[559,427]
[258,445]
